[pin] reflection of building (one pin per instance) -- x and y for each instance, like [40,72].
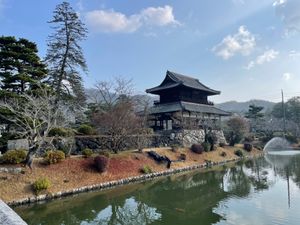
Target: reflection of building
[184,106]
[183,102]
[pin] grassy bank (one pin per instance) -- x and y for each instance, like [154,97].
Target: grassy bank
[76,172]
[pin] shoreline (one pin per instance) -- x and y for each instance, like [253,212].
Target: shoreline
[121,182]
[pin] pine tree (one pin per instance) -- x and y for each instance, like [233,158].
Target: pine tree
[21,69]
[64,56]
[255,115]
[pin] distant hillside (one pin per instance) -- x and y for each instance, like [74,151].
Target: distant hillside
[241,107]
[230,106]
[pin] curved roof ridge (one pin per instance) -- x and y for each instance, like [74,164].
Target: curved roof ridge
[179,79]
[187,80]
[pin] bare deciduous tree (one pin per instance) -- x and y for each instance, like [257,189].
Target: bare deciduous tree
[118,123]
[115,115]
[33,116]
[107,93]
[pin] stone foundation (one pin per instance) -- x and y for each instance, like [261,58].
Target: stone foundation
[190,137]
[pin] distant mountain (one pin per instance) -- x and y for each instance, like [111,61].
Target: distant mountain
[242,107]
[142,100]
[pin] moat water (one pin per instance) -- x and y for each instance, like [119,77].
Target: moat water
[259,191]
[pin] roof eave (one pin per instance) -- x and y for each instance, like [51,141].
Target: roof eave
[158,89]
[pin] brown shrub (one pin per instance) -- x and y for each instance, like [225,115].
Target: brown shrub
[197,148]
[248,147]
[101,163]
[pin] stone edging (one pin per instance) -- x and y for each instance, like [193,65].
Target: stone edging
[115,183]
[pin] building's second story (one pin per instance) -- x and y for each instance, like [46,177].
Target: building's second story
[176,87]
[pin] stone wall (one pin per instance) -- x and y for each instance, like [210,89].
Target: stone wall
[17,144]
[75,145]
[189,137]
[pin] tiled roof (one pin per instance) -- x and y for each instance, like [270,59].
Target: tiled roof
[176,79]
[187,106]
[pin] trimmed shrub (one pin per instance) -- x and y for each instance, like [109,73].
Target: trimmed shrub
[86,130]
[41,184]
[146,169]
[197,148]
[60,132]
[206,146]
[87,152]
[14,156]
[239,153]
[66,150]
[223,154]
[52,157]
[212,140]
[105,153]
[101,163]
[248,147]
[222,144]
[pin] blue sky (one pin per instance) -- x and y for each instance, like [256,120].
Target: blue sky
[248,49]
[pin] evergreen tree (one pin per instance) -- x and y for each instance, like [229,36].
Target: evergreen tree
[255,115]
[21,69]
[64,56]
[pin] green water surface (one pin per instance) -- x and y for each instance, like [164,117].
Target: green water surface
[248,192]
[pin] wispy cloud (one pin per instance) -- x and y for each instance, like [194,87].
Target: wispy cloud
[243,42]
[279,2]
[267,56]
[110,21]
[289,13]
[287,76]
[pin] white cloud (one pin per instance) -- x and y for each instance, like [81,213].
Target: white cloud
[243,42]
[160,16]
[287,76]
[250,65]
[279,2]
[289,12]
[111,21]
[267,56]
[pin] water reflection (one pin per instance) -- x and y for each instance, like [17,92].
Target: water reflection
[285,164]
[228,194]
[132,212]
